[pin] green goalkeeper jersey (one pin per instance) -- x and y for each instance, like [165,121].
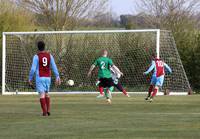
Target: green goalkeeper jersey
[104,64]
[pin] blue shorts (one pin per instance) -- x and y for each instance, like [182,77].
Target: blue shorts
[43,84]
[157,81]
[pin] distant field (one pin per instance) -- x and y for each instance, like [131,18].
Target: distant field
[85,117]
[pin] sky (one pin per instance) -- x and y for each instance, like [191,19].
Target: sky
[122,6]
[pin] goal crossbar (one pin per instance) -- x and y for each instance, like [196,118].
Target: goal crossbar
[81,32]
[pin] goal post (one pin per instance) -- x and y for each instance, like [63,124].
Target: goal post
[158,43]
[75,51]
[3,62]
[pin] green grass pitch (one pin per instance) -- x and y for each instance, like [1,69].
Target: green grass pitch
[85,117]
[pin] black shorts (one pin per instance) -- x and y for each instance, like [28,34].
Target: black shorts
[105,82]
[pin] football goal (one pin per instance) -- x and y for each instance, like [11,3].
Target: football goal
[75,51]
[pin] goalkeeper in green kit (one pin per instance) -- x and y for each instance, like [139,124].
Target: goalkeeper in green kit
[104,74]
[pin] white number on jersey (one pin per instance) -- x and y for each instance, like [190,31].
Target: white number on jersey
[103,65]
[44,61]
[160,63]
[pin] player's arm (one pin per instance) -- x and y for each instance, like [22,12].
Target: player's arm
[168,68]
[91,69]
[153,64]
[55,70]
[116,69]
[33,69]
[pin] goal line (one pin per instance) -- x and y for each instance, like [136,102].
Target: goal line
[87,93]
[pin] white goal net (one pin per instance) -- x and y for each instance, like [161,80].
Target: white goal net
[75,51]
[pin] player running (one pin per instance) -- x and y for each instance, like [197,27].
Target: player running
[104,74]
[42,64]
[157,78]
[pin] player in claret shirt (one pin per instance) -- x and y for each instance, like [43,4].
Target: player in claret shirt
[158,66]
[42,64]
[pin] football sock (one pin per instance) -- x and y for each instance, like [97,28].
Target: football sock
[120,88]
[150,90]
[124,91]
[43,105]
[47,103]
[101,90]
[154,92]
[106,94]
[104,90]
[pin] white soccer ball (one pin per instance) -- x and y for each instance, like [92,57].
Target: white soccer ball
[70,82]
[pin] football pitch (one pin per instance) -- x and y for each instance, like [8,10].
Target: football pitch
[85,117]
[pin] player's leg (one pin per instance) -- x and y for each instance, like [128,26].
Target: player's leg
[100,87]
[43,103]
[106,93]
[47,97]
[155,91]
[109,91]
[108,84]
[101,92]
[40,86]
[151,87]
[159,83]
[105,84]
[108,96]
[120,88]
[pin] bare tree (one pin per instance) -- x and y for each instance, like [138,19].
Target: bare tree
[63,14]
[168,13]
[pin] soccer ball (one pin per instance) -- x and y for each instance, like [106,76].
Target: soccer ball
[70,82]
